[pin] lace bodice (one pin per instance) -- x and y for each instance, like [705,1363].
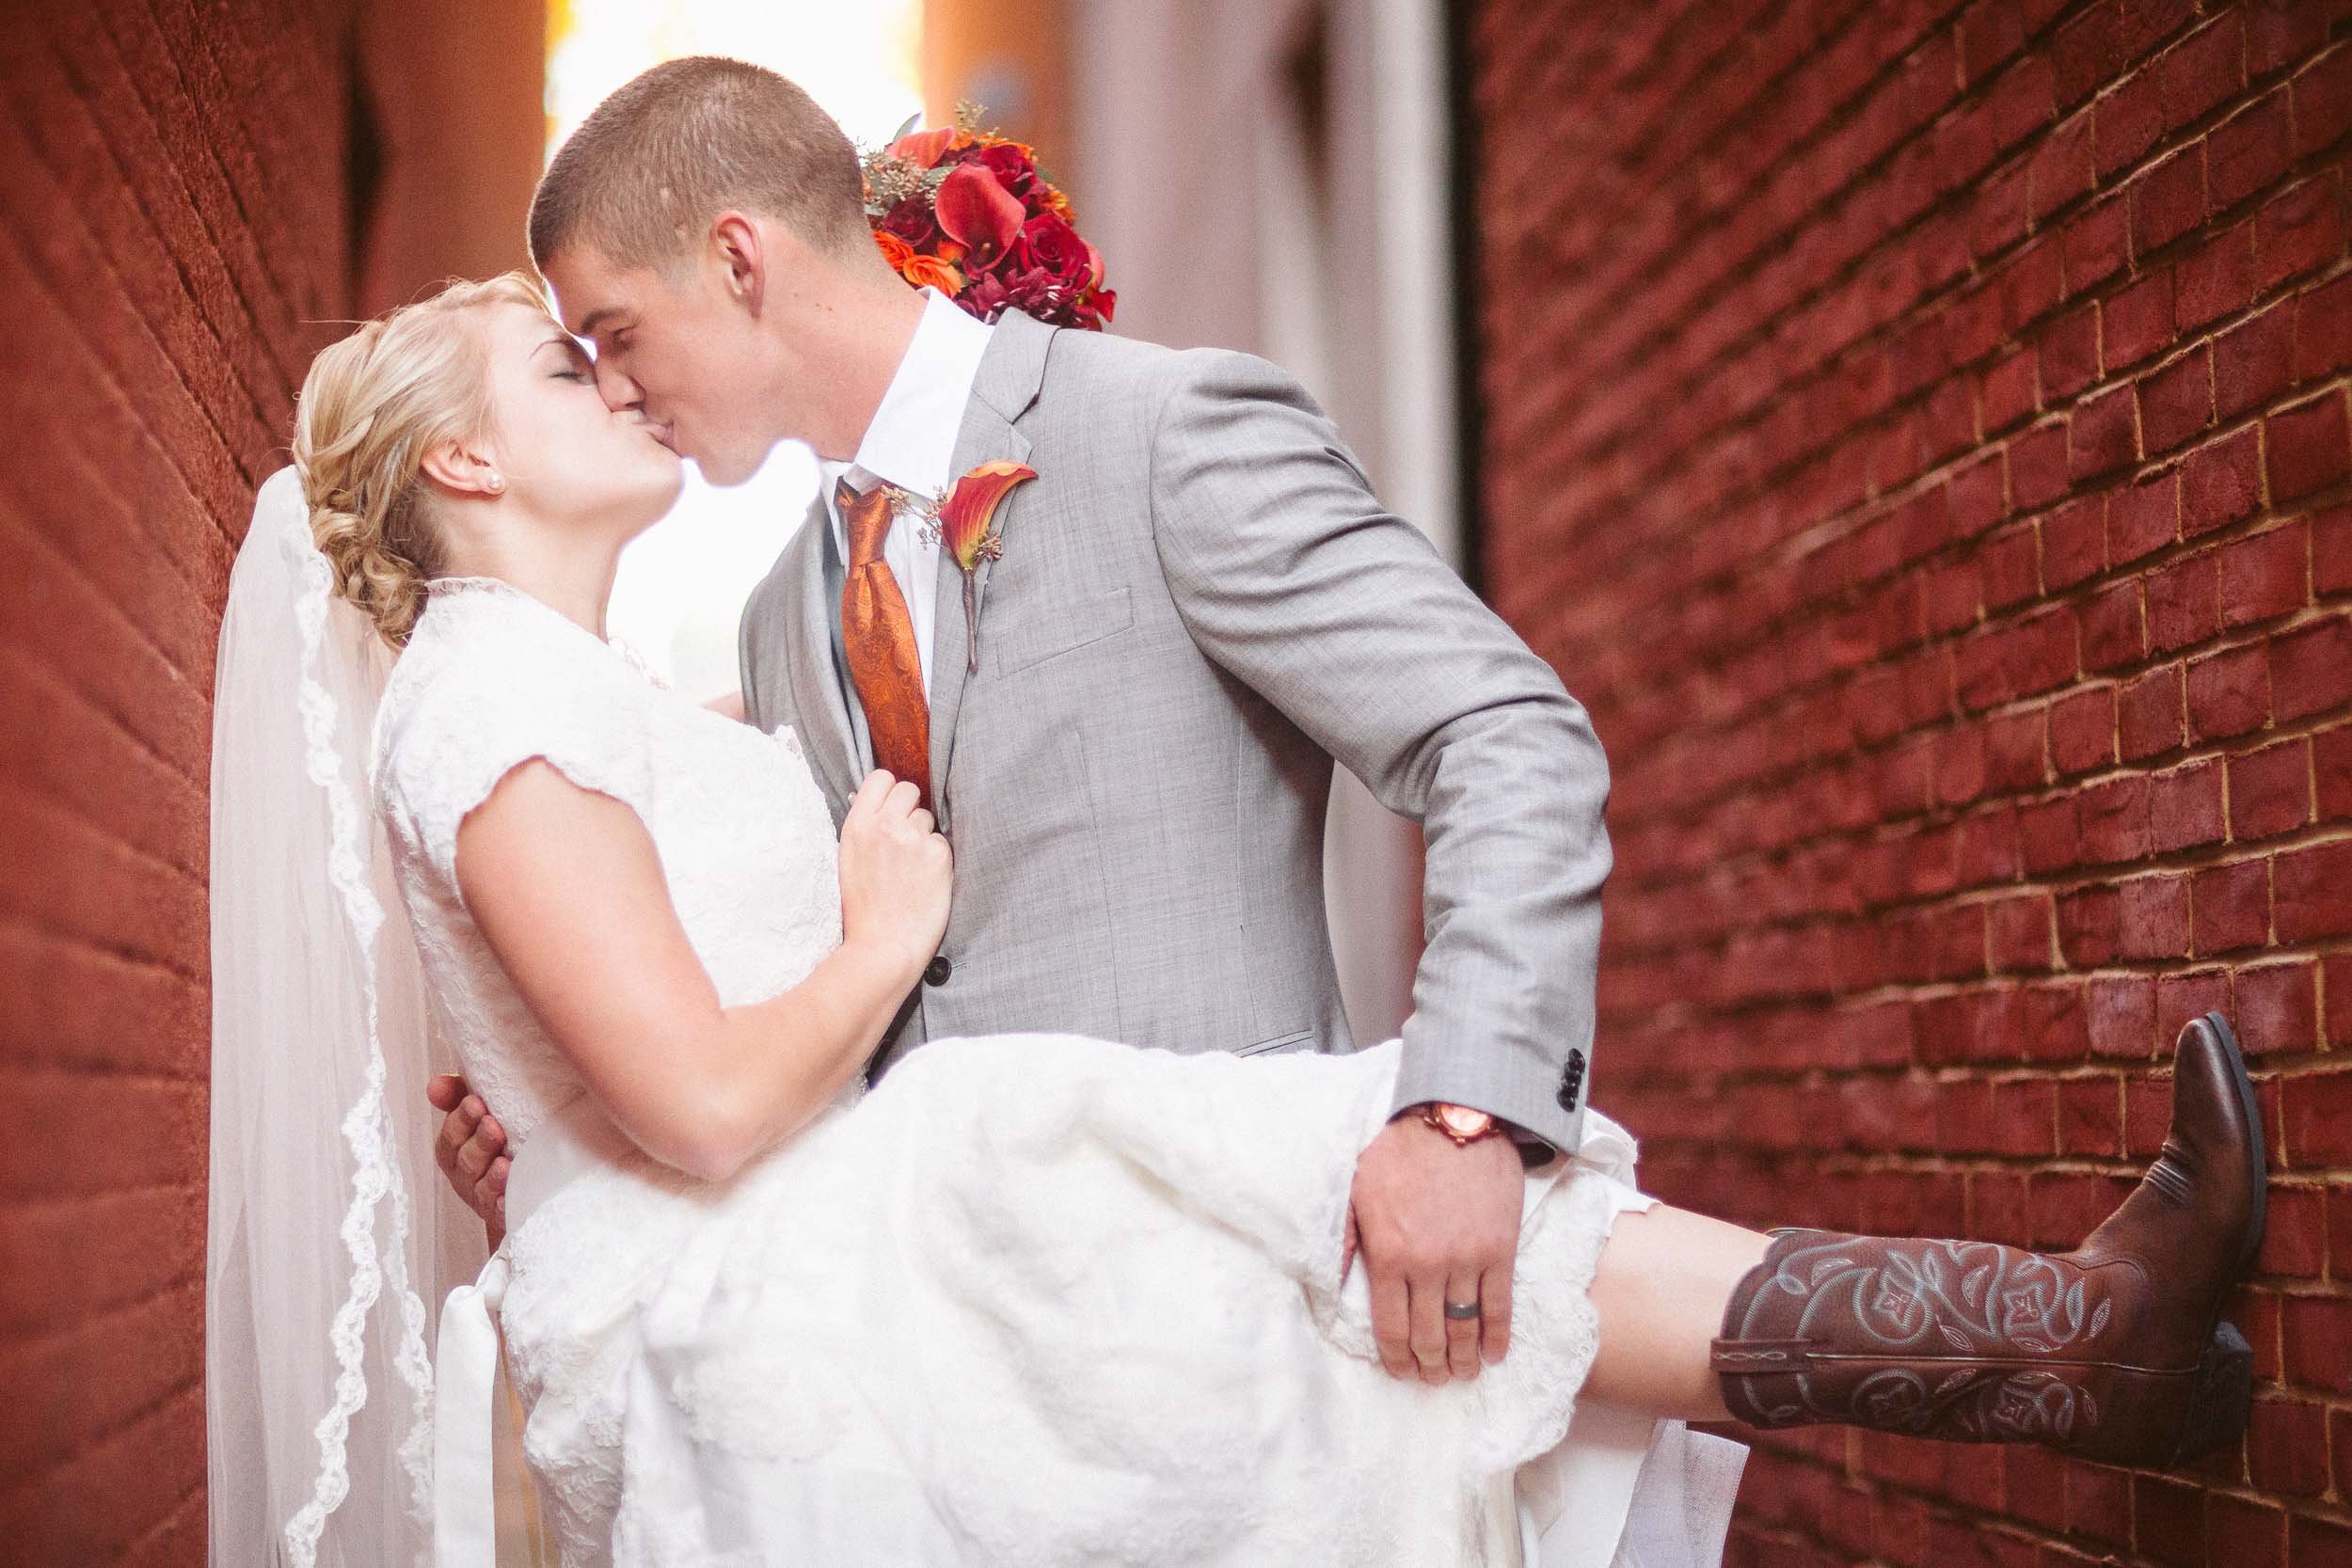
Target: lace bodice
[492,678]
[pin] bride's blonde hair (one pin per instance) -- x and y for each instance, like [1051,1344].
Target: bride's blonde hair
[372,407]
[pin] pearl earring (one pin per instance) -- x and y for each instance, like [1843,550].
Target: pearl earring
[497,484]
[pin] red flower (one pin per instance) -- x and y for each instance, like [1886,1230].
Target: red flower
[923,149]
[978,212]
[989,230]
[967,530]
[967,514]
[911,220]
[1010,165]
[1054,249]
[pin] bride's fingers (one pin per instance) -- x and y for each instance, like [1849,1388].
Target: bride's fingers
[902,798]
[1461,1334]
[871,793]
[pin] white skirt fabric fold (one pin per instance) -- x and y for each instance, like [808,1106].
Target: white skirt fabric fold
[1037,1299]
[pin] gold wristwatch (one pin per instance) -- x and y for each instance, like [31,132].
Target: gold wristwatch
[1459,1122]
[1466,1125]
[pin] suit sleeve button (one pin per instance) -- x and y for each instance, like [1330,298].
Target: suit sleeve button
[936,971]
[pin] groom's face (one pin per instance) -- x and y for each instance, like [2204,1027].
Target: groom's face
[677,348]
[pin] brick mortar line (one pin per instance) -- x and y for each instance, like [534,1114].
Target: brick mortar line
[1791,553]
[51,1204]
[119,286]
[1878,338]
[1687,239]
[31,1481]
[85,98]
[227,179]
[13,507]
[1873,509]
[2075,880]
[1980,269]
[288,379]
[1913,826]
[12,934]
[2328,611]
[21,1347]
[134,417]
[26,921]
[41,673]
[231,105]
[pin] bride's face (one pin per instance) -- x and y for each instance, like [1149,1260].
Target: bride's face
[569,456]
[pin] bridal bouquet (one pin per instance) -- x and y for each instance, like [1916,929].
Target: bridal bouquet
[970,212]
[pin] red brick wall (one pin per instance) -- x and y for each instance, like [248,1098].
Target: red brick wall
[171,210]
[1918,432]
[181,185]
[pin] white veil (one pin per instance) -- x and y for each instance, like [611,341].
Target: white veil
[329,1225]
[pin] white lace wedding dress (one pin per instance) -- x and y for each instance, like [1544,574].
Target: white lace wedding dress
[1036,1299]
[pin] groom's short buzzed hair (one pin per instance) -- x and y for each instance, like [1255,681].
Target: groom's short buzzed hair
[644,174]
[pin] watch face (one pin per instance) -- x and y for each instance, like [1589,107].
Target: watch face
[1464,1122]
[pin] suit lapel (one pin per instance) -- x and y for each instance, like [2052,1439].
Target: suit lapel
[816,679]
[1010,373]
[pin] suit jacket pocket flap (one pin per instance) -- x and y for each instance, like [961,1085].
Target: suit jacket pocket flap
[1057,630]
[1279,1042]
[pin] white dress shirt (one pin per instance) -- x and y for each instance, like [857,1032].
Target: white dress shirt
[910,444]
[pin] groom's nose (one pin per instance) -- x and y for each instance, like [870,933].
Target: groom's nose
[614,384]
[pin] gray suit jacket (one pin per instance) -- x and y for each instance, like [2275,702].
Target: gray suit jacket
[1199,607]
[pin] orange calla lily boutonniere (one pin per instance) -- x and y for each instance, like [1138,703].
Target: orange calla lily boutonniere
[963,523]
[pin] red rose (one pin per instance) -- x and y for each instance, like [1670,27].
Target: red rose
[1056,248]
[911,220]
[1011,167]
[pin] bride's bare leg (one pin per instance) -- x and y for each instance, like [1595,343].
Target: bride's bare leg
[1664,1279]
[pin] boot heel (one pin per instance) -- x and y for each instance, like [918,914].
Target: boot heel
[2218,1405]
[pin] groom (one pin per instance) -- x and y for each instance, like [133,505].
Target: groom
[1200,606]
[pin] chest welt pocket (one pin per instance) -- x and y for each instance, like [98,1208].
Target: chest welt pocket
[1066,627]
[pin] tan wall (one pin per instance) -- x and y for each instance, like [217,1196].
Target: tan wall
[969,46]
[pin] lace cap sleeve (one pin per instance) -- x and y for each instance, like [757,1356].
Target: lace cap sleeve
[456,733]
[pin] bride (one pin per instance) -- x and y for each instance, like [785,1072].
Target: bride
[1035,1299]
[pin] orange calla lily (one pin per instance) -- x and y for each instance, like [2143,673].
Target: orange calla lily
[978,212]
[967,529]
[923,149]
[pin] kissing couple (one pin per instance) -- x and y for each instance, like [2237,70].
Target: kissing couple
[912,1104]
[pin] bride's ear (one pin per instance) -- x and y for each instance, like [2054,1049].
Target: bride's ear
[742,257]
[464,469]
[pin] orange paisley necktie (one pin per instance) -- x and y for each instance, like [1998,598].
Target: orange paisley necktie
[878,637]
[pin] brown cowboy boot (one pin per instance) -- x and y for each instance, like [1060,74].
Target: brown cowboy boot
[2115,1350]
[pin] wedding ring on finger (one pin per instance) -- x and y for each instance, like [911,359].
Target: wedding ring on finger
[1461,1312]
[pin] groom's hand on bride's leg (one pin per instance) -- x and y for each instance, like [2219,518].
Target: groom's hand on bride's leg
[471,1150]
[1435,1222]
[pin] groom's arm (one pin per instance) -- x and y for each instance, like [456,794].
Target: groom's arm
[1290,574]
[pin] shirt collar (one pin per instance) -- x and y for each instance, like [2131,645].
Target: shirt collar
[912,440]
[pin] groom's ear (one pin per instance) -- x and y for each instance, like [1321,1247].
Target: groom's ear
[743,258]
